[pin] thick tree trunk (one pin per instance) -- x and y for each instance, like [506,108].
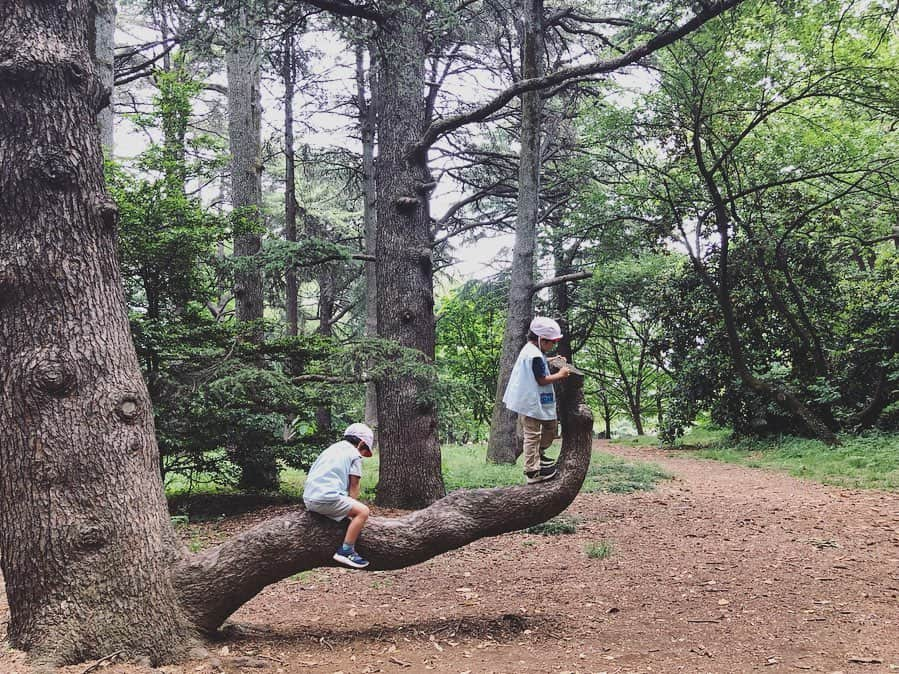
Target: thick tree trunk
[607,417]
[410,474]
[259,471]
[86,539]
[327,299]
[503,446]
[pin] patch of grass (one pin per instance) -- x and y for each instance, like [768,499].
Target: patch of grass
[861,462]
[701,435]
[310,576]
[598,549]
[636,441]
[555,527]
[180,520]
[196,543]
[612,475]
[466,467]
[704,436]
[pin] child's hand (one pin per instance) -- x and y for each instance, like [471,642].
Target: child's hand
[564,372]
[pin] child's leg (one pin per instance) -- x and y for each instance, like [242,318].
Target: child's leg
[358,516]
[547,433]
[346,554]
[532,431]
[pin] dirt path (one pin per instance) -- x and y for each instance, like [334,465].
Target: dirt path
[722,569]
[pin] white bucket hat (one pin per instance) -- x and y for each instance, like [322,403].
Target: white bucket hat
[546,328]
[362,432]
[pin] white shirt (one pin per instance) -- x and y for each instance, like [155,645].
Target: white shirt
[523,394]
[330,474]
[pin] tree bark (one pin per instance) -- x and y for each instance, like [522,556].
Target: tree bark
[87,544]
[327,297]
[410,474]
[503,446]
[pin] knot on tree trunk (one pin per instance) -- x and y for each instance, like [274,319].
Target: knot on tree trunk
[406,204]
[55,375]
[56,166]
[108,211]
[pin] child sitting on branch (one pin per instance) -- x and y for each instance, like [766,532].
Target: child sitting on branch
[332,488]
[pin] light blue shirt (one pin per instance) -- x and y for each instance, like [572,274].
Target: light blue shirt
[329,476]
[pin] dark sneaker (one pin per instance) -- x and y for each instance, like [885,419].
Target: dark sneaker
[534,476]
[545,461]
[351,559]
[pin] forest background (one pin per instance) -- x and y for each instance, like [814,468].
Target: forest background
[702,192]
[716,226]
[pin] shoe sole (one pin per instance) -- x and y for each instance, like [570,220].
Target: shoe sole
[540,478]
[348,562]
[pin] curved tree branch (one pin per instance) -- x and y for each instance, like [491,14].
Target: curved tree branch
[216,582]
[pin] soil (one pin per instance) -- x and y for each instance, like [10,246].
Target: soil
[721,569]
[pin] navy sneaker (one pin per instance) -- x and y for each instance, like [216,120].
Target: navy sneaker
[534,476]
[351,559]
[546,461]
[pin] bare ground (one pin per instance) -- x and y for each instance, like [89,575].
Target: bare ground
[722,569]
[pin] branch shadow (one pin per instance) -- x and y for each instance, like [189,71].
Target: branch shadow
[501,628]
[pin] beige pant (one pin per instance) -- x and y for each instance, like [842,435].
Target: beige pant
[538,434]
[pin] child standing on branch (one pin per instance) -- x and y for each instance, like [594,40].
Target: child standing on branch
[332,488]
[530,394]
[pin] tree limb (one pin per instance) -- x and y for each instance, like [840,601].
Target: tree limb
[576,276]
